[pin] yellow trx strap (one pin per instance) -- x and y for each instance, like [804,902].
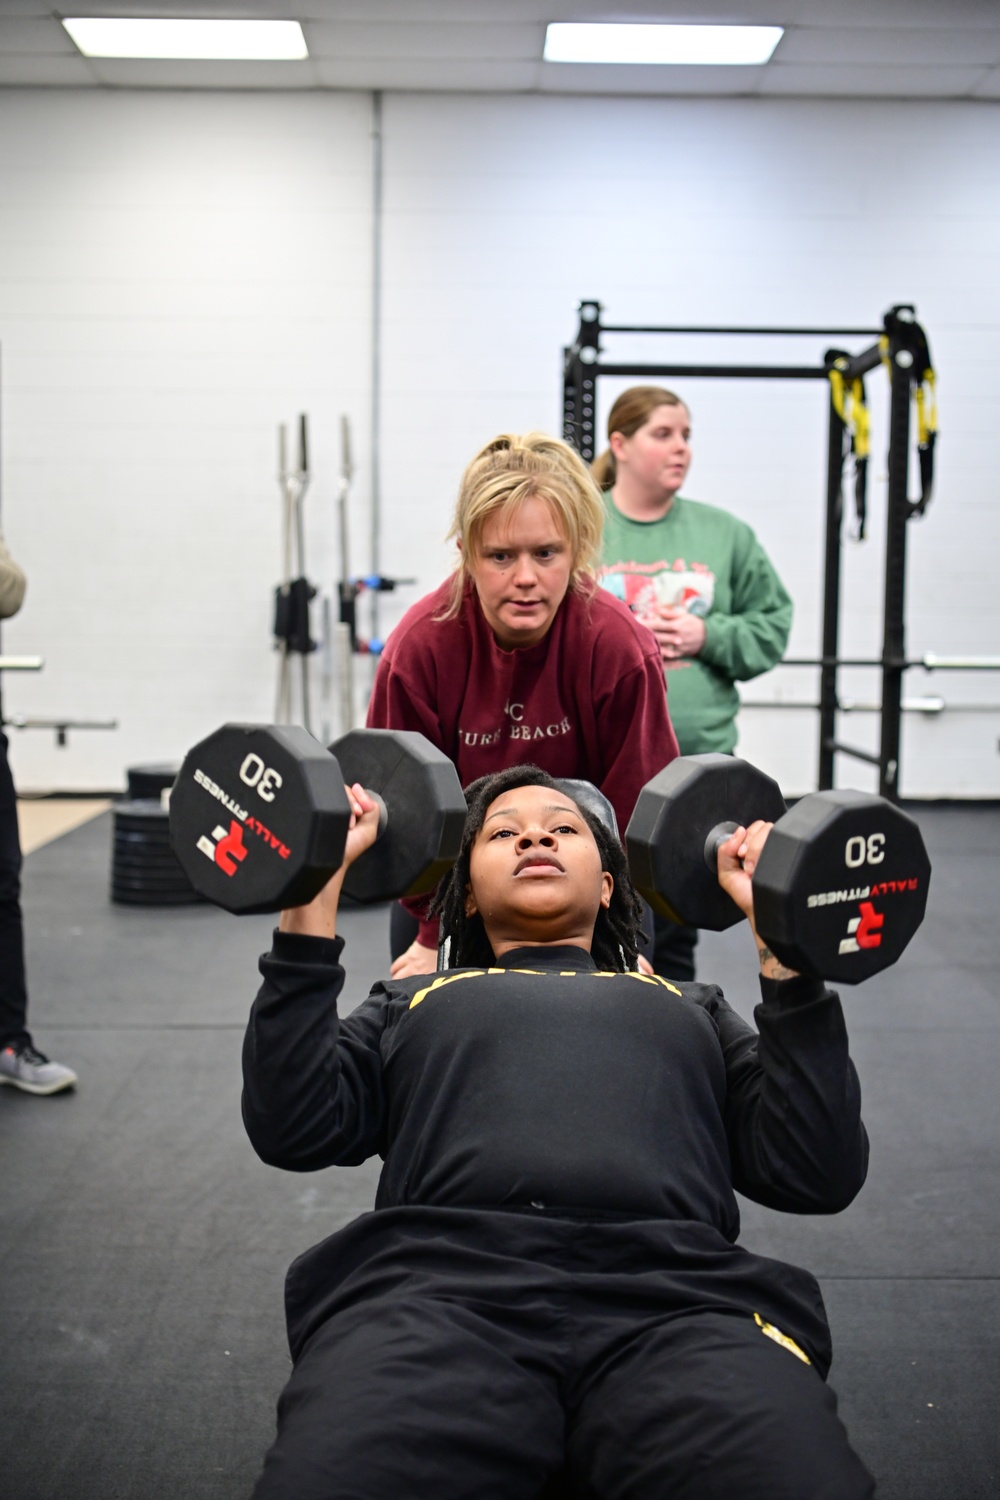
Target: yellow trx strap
[925,392]
[837,393]
[926,437]
[861,434]
[926,408]
[852,409]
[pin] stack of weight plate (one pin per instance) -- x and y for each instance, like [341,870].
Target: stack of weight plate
[144,869]
[148,783]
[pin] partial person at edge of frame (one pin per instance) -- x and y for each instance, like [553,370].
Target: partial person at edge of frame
[519,656]
[21,1064]
[550,1283]
[698,577]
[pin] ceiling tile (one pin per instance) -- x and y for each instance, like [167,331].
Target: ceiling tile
[611,78]
[988,87]
[41,72]
[899,46]
[857,82]
[428,74]
[34,34]
[168,73]
[944,15]
[463,12]
[420,40]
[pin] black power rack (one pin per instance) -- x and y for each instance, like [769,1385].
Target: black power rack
[901,347]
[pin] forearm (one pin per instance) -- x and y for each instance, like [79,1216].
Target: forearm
[800,1142]
[319,917]
[311,1086]
[771,966]
[743,646]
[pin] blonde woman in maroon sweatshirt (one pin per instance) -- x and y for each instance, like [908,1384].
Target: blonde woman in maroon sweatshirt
[519,657]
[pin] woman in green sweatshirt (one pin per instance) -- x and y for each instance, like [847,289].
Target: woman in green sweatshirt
[697,576]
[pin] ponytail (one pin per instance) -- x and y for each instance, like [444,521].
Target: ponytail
[603,470]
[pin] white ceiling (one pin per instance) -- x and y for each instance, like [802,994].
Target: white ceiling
[898,49]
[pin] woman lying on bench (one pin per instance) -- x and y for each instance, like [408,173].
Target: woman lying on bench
[549,1281]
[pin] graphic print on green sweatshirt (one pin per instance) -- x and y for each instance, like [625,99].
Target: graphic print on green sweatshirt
[703,559]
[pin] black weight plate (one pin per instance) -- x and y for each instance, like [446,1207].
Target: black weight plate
[259,817]
[149,838]
[150,781]
[146,854]
[426,812]
[142,875]
[165,862]
[145,859]
[673,817]
[151,887]
[140,817]
[841,885]
[189,897]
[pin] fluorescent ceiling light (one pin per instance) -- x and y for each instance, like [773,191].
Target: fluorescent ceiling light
[100,36]
[618,42]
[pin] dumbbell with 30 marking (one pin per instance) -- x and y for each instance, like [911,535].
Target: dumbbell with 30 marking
[259,816]
[839,889]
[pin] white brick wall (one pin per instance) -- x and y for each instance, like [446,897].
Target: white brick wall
[180,272]
[503,212]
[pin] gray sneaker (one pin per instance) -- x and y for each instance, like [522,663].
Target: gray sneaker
[31,1071]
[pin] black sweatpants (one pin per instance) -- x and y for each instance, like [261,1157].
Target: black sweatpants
[460,1363]
[13,987]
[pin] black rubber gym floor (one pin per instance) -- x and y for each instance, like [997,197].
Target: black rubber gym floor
[144,1246]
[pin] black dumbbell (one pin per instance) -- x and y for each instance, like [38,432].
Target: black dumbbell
[259,816]
[841,884]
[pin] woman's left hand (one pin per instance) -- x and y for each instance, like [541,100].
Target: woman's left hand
[678,632]
[737,858]
[416,960]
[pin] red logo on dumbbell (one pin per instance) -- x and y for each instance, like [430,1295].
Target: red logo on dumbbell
[228,850]
[865,931]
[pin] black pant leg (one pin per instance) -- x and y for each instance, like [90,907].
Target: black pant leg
[673,948]
[705,1406]
[13,985]
[415,1397]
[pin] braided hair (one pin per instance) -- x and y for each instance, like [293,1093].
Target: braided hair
[616,931]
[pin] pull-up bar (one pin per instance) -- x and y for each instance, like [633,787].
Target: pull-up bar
[901,346]
[844,333]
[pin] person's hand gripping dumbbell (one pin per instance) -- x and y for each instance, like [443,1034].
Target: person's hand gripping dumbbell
[737,855]
[837,886]
[318,917]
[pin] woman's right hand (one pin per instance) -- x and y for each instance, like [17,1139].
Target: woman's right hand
[319,917]
[417,959]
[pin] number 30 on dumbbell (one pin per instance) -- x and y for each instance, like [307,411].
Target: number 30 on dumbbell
[841,884]
[259,817]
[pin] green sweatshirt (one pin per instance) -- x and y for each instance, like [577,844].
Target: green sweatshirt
[705,559]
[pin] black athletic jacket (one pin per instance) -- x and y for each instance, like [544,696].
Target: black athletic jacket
[543,1084]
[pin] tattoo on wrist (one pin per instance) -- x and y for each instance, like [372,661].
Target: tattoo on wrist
[778,970]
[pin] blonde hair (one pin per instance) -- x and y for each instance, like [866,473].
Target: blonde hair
[511,470]
[631,411]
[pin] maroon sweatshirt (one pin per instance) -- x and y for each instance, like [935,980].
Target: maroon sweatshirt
[588,701]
